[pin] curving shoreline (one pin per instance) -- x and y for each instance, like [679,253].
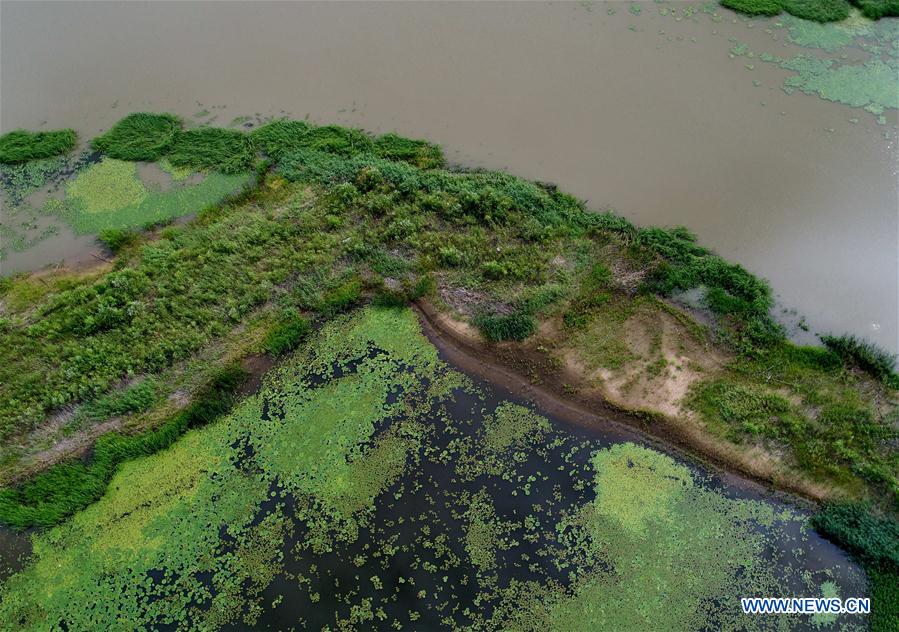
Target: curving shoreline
[508,364]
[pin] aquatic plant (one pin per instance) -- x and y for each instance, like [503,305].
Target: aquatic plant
[139,136]
[21,145]
[448,507]
[107,186]
[109,196]
[224,150]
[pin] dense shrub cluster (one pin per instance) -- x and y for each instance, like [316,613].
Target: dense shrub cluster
[817,10]
[65,488]
[21,145]
[876,9]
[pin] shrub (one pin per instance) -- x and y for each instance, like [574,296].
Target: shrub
[876,9]
[817,10]
[341,298]
[288,332]
[224,150]
[22,145]
[342,141]
[424,286]
[419,153]
[865,355]
[117,238]
[754,7]
[67,487]
[514,326]
[139,136]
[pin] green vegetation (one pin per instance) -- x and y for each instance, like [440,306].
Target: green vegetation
[290,330]
[754,7]
[874,542]
[139,136]
[514,326]
[876,9]
[365,454]
[21,145]
[866,356]
[323,232]
[109,195]
[337,219]
[816,10]
[65,488]
[117,238]
[224,150]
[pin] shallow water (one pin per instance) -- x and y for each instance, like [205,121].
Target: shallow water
[369,484]
[664,129]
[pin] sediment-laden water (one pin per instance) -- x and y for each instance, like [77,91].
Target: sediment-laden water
[369,485]
[672,113]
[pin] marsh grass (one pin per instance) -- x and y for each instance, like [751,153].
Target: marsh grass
[865,355]
[874,542]
[139,136]
[21,145]
[67,487]
[224,150]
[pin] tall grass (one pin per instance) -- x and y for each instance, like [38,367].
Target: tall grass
[874,542]
[224,150]
[67,487]
[139,136]
[21,145]
[865,355]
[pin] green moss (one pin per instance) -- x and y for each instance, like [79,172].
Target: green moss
[21,145]
[139,136]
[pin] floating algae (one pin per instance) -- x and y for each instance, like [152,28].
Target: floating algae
[370,486]
[109,194]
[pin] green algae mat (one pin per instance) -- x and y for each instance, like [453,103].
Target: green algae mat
[369,485]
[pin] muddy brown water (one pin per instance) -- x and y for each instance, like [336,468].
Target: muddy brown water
[657,122]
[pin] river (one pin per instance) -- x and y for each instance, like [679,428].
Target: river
[649,114]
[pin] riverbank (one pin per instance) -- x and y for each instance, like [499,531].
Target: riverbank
[527,369]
